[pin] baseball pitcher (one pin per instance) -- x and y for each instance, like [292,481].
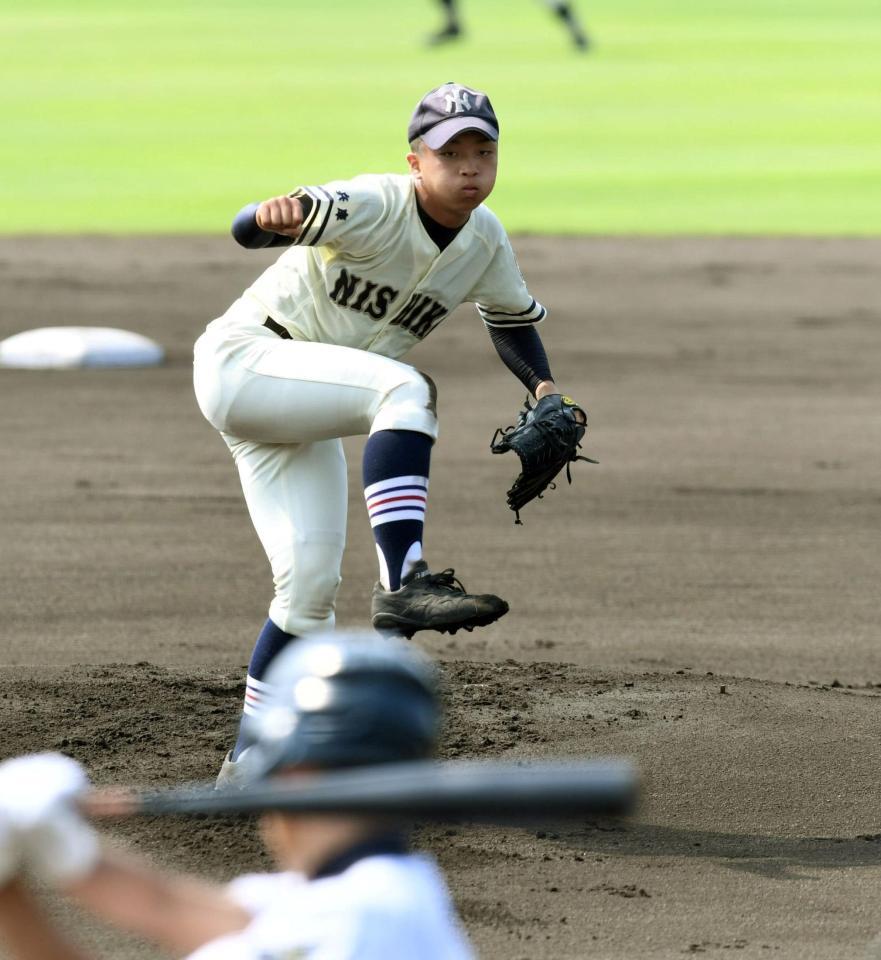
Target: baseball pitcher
[311,352]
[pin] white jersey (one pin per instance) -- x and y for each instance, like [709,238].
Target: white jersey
[387,907]
[364,273]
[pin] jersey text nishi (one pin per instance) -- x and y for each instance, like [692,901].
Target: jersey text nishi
[364,272]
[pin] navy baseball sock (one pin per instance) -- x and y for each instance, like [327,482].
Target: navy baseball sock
[395,472]
[270,643]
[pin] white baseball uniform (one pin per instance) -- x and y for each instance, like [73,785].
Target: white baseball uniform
[387,907]
[362,284]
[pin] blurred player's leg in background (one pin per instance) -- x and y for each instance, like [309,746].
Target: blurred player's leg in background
[452,28]
[566,12]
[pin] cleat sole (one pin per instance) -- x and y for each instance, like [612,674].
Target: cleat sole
[405,627]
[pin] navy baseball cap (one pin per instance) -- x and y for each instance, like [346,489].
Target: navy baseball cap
[449,110]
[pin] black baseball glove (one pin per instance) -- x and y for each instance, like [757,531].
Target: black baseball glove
[546,438]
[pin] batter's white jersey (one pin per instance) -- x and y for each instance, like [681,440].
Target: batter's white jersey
[364,273]
[388,907]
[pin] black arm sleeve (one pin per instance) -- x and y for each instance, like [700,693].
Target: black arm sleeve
[523,354]
[247,234]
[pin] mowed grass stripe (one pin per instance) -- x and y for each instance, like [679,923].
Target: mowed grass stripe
[748,117]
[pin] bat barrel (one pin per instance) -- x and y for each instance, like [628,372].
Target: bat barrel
[459,790]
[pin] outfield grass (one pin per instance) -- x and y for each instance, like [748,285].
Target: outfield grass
[754,116]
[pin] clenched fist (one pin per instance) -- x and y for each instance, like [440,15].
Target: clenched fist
[282,215]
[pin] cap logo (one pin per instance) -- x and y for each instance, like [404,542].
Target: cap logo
[458,100]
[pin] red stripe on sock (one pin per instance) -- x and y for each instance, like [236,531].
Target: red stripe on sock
[379,503]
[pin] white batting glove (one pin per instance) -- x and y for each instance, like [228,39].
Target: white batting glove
[38,799]
[10,851]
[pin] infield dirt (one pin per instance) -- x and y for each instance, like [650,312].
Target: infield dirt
[704,601]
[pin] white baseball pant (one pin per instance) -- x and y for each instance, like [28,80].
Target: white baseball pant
[282,407]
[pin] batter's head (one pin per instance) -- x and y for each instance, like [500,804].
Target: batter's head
[449,110]
[345,700]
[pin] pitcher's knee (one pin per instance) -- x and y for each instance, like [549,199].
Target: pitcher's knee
[411,405]
[305,596]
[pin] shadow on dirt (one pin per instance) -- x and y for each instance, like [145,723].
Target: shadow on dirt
[777,858]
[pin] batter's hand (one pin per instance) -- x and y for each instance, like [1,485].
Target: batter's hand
[38,800]
[282,215]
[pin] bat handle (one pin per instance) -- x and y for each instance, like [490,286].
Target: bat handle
[109,802]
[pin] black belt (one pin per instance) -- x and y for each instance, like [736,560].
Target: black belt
[277,328]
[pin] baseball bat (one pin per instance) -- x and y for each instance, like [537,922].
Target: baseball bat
[471,790]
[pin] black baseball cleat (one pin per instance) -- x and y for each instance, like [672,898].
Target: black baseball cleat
[581,40]
[451,32]
[433,601]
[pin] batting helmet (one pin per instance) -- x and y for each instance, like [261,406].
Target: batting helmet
[346,700]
